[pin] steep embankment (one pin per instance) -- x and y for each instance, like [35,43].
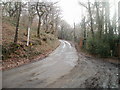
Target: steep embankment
[16,55]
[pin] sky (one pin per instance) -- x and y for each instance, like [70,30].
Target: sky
[73,12]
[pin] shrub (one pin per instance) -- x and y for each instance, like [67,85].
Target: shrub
[97,46]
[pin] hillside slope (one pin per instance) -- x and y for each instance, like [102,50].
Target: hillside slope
[16,55]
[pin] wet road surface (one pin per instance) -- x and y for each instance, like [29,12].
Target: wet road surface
[90,73]
[42,73]
[64,68]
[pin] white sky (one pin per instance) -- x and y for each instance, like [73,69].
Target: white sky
[72,11]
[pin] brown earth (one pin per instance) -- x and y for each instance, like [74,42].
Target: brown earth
[17,55]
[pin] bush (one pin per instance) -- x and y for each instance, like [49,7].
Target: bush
[10,49]
[103,46]
[96,46]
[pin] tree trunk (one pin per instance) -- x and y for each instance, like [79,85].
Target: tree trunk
[39,25]
[90,13]
[114,19]
[39,9]
[98,19]
[119,20]
[84,25]
[46,25]
[74,32]
[17,24]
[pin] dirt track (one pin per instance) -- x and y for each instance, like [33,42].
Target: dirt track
[90,73]
[41,73]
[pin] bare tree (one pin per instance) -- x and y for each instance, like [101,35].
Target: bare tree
[17,23]
[91,19]
[119,19]
[40,7]
[10,7]
[90,14]
[99,21]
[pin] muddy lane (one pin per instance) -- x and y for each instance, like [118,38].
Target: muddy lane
[90,73]
[42,73]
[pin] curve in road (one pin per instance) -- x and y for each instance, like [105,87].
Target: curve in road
[42,73]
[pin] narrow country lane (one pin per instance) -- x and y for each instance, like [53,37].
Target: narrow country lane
[90,72]
[42,73]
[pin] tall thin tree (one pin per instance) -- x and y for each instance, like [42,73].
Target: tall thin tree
[17,23]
